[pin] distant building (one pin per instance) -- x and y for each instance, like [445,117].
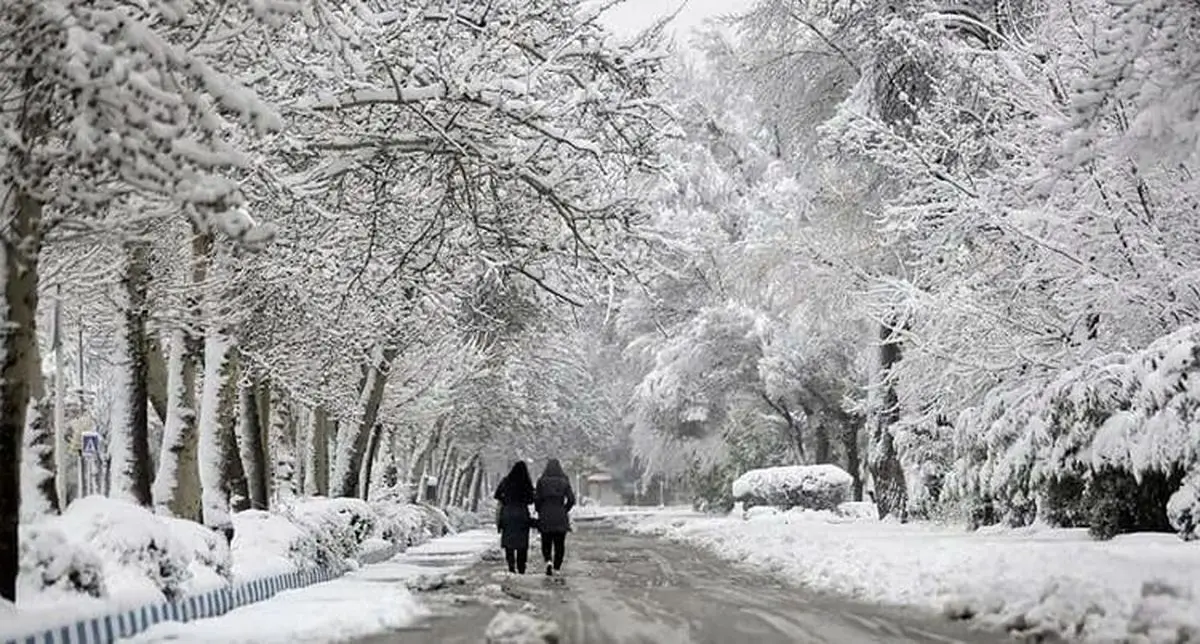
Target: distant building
[602,489]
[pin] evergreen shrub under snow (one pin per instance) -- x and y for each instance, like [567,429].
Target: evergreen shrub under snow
[1107,445]
[813,487]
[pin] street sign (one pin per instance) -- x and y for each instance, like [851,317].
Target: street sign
[91,443]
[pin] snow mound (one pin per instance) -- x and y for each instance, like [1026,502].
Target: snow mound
[1183,508]
[519,628]
[859,511]
[814,487]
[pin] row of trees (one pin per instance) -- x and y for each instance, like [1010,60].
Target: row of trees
[892,222]
[307,246]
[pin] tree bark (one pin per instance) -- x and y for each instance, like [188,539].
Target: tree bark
[283,437]
[849,437]
[39,437]
[891,493]
[356,436]
[177,485]
[222,479]
[316,473]
[250,433]
[823,448]
[369,461]
[156,377]
[476,484]
[232,470]
[20,243]
[129,438]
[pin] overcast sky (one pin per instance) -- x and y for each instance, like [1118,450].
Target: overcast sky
[635,15]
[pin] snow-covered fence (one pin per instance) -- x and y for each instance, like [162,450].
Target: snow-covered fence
[113,626]
[814,487]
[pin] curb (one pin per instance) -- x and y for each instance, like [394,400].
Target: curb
[105,629]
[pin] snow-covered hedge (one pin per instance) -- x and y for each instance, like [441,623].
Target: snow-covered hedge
[814,487]
[1075,447]
[101,545]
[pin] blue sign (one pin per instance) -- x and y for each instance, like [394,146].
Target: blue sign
[91,443]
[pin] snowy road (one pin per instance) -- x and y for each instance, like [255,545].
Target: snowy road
[630,589]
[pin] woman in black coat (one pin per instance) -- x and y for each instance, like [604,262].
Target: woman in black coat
[554,499]
[515,493]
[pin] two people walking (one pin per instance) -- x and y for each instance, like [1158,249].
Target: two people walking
[552,498]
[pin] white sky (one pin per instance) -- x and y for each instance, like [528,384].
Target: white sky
[634,15]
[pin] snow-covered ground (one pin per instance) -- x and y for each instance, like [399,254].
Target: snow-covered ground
[1135,588]
[370,600]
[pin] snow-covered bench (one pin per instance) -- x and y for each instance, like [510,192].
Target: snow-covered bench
[814,487]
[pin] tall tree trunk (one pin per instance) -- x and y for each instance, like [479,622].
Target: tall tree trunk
[232,470]
[476,484]
[891,493]
[849,436]
[222,479]
[369,462]
[20,243]
[316,473]
[40,496]
[129,435]
[250,439]
[177,484]
[283,438]
[156,376]
[354,437]
[823,448]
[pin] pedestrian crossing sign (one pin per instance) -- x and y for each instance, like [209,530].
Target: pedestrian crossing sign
[91,443]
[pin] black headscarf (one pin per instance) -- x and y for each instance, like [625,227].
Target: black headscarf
[554,469]
[517,487]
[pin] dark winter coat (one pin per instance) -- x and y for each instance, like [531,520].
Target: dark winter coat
[554,499]
[513,520]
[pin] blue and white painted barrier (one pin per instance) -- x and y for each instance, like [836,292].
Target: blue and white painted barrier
[105,629]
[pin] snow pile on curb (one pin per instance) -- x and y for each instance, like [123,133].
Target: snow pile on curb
[816,487]
[1030,581]
[519,628]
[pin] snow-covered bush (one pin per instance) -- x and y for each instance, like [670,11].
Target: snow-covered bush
[209,547]
[460,519]
[266,543]
[1076,448]
[1183,508]
[402,524]
[130,536]
[50,561]
[98,540]
[339,526]
[813,487]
